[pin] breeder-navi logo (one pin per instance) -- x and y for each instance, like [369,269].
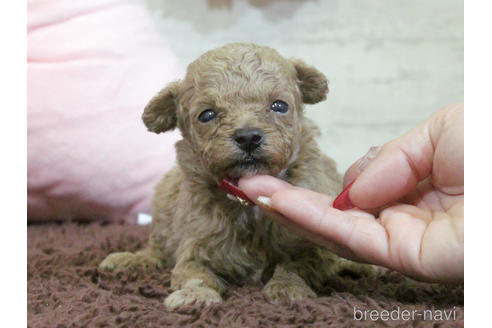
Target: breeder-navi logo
[405,315]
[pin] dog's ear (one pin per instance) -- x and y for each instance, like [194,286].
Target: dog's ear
[313,84]
[160,113]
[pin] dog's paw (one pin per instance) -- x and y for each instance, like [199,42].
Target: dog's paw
[127,260]
[118,261]
[192,293]
[282,292]
[356,270]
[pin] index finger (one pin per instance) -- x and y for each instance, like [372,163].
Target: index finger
[313,213]
[354,229]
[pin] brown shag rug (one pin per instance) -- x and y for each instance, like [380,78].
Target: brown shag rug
[65,289]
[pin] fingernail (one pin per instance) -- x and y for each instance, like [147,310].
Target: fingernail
[342,202]
[232,189]
[371,154]
[265,201]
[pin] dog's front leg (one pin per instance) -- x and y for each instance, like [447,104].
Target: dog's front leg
[286,286]
[144,258]
[194,284]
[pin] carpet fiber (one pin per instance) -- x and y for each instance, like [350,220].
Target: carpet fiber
[65,289]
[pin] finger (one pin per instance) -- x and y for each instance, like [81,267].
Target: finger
[448,168]
[360,165]
[431,147]
[405,233]
[430,250]
[443,246]
[361,234]
[262,185]
[308,234]
[396,170]
[400,240]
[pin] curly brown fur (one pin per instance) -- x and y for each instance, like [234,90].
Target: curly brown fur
[211,240]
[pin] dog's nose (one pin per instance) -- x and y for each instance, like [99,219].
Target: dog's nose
[248,139]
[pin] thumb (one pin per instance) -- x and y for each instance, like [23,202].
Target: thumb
[360,165]
[395,171]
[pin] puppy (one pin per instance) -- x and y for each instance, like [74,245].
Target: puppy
[240,112]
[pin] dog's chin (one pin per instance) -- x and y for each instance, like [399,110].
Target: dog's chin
[247,167]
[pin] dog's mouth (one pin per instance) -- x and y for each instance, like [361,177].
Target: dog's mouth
[230,187]
[244,167]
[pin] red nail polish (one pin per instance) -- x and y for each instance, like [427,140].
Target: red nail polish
[229,187]
[342,202]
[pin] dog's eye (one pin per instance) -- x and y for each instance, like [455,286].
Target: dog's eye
[279,106]
[207,115]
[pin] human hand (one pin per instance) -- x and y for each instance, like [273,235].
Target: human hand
[408,203]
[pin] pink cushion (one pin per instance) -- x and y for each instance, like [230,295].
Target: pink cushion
[92,67]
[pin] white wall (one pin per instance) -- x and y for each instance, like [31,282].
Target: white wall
[390,63]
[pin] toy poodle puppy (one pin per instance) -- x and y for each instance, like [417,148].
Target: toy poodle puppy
[240,110]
